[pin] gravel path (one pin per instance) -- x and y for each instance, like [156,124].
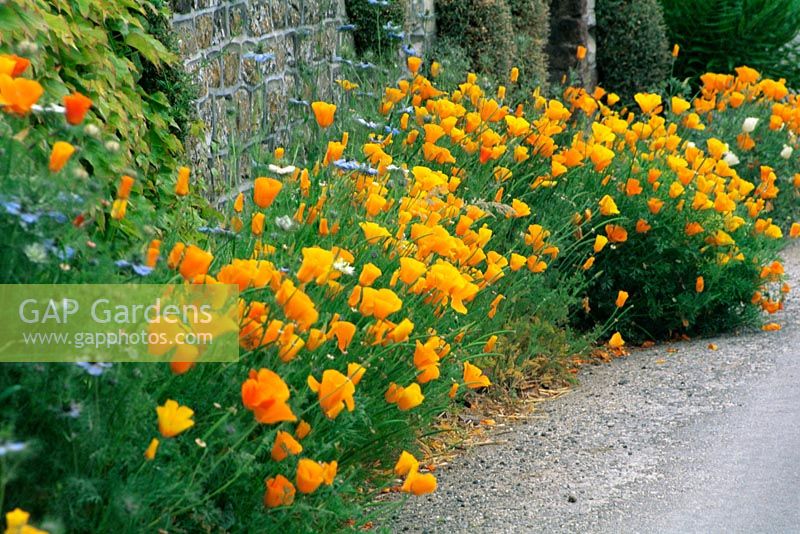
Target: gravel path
[677,438]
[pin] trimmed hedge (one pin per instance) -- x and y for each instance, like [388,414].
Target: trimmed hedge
[484,29]
[632,46]
[531,19]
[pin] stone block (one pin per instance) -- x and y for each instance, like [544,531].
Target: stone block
[182,6]
[187,42]
[244,114]
[259,18]
[237,20]
[211,71]
[204,30]
[231,62]
[293,13]
[278,8]
[221,33]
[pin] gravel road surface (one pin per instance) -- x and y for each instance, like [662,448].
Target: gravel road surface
[677,438]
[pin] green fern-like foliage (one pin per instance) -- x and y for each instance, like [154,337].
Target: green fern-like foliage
[632,45]
[718,35]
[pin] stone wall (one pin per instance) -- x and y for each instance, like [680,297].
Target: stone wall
[248,58]
[572,24]
[420,23]
[251,59]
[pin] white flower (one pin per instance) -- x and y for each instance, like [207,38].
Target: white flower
[786,153]
[749,124]
[344,267]
[731,159]
[284,222]
[36,252]
[91,130]
[289,169]
[691,144]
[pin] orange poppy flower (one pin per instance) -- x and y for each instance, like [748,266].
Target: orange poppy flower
[196,261]
[59,156]
[343,331]
[13,65]
[419,484]
[302,430]
[369,273]
[474,377]
[279,492]
[18,95]
[648,102]
[335,392]
[311,474]
[182,185]
[642,226]
[616,233]
[414,63]
[616,341]
[238,204]
[125,185]
[297,306]
[317,265]
[150,452]
[257,224]
[323,113]
[285,445]
[175,255]
[265,394]
[77,105]
[265,190]
[379,303]
[173,418]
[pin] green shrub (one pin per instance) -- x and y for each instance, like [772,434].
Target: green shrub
[632,46]
[375,26]
[531,19]
[484,29]
[718,35]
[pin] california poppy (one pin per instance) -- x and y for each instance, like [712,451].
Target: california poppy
[18,95]
[335,392]
[150,452]
[195,261]
[77,105]
[174,418]
[279,492]
[266,395]
[474,377]
[323,113]
[60,154]
[419,484]
[616,341]
[285,445]
[311,474]
[182,185]
[265,190]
